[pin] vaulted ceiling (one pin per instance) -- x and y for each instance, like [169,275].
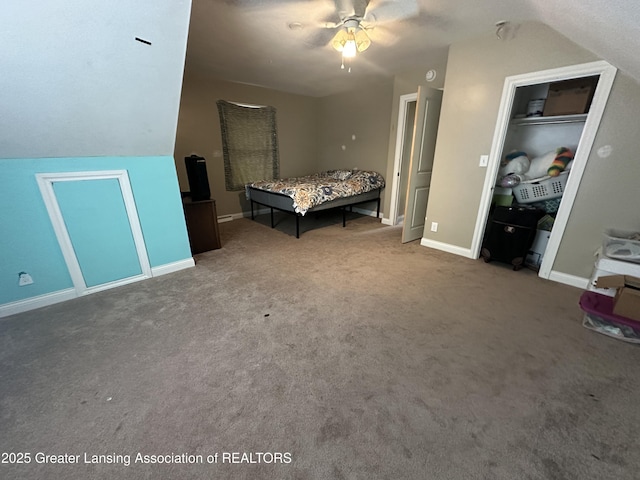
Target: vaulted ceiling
[285,44]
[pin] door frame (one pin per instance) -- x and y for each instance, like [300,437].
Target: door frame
[426,125]
[607,74]
[45,183]
[400,148]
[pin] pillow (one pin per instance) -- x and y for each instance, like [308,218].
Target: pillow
[550,164]
[340,174]
[540,165]
[514,163]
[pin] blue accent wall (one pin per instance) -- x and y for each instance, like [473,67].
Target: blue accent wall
[28,242]
[99,229]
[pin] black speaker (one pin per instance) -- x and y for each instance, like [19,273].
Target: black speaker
[198,180]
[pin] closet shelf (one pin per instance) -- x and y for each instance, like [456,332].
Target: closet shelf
[582,117]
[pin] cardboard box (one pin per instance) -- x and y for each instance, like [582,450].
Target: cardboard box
[570,97]
[605,266]
[627,300]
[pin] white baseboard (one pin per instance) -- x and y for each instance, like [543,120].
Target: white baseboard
[238,216]
[573,280]
[446,247]
[173,267]
[366,211]
[554,276]
[70,293]
[37,302]
[399,221]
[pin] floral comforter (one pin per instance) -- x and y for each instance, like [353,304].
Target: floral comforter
[312,190]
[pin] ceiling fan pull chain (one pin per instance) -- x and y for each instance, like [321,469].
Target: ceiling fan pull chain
[348,64]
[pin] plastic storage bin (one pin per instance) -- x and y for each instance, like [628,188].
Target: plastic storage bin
[530,191]
[599,317]
[619,245]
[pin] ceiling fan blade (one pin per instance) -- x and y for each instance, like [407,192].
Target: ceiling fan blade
[385,11]
[360,7]
[382,35]
[330,25]
[351,8]
[319,38]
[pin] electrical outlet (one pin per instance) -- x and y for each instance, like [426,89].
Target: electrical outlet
[434,226]
[24,279]
[484,160]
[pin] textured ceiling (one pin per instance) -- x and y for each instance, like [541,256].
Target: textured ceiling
[284,44]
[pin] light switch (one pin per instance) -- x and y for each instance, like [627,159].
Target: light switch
[484,160]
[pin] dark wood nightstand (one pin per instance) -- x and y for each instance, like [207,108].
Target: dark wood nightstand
[202,225]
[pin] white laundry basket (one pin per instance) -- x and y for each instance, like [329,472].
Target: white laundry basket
[540,189]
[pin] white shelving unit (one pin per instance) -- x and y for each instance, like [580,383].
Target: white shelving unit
[555,120]
[539,135]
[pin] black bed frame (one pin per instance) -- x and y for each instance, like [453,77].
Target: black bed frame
[279,201]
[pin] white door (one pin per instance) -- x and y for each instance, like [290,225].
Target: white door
[404,135]
[422,150]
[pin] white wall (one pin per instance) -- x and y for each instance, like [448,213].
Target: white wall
[353,127]
[77,83]
[79,93]
[608,194]
[404,83]
[199,132]
[476,70]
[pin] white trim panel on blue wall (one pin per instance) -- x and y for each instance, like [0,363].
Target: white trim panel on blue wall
[29,242]
[46,183]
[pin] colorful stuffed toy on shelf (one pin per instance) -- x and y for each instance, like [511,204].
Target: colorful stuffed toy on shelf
[563,157]
[516,162]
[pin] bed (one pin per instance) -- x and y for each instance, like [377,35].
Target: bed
[320,191]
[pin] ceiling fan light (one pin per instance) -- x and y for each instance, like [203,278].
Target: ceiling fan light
[362,40]
[339,40]
[350,49]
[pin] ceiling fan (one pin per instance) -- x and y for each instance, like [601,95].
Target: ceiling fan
[358,17]
[351,38]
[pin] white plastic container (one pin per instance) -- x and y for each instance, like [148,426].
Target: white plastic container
[618,245]
[535,107]
[536,252]
[605,266]
[531,191]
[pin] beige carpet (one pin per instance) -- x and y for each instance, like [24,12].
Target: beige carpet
[340,355]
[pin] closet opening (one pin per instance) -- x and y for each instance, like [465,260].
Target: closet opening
[524,126]
[544,132]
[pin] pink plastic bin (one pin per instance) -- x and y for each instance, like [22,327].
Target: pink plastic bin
[602,306]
